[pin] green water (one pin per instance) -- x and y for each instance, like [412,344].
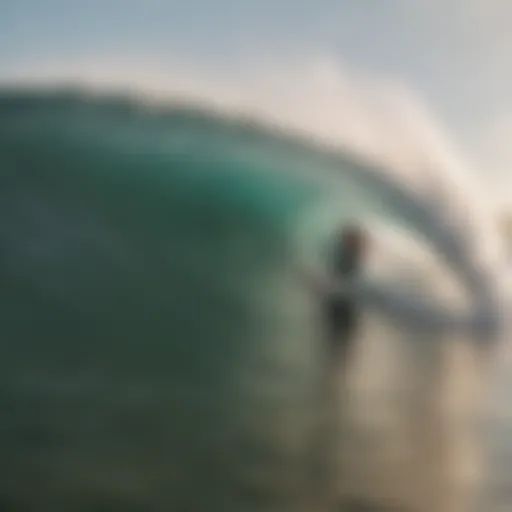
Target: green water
[159,349]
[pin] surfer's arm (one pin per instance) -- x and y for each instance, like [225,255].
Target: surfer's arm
[408,309]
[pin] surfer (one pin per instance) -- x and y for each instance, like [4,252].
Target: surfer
[342,311]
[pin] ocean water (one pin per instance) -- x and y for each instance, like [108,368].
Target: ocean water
[161,348]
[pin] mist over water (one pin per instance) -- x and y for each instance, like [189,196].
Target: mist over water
[160,348]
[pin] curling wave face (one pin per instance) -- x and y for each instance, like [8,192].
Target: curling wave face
[151,286]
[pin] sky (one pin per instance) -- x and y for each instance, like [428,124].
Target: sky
[452,54]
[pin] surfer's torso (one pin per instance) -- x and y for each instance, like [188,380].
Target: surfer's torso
[341,310]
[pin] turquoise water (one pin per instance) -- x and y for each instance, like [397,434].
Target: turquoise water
[146,283]
[160,350]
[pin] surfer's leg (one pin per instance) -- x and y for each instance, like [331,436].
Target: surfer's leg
[342,326]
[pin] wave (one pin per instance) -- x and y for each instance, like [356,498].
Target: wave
[153,255]
[437,203]
[423,187]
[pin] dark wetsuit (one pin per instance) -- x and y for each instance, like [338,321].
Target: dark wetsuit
[342,313]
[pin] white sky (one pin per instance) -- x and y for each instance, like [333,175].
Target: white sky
[453,54]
